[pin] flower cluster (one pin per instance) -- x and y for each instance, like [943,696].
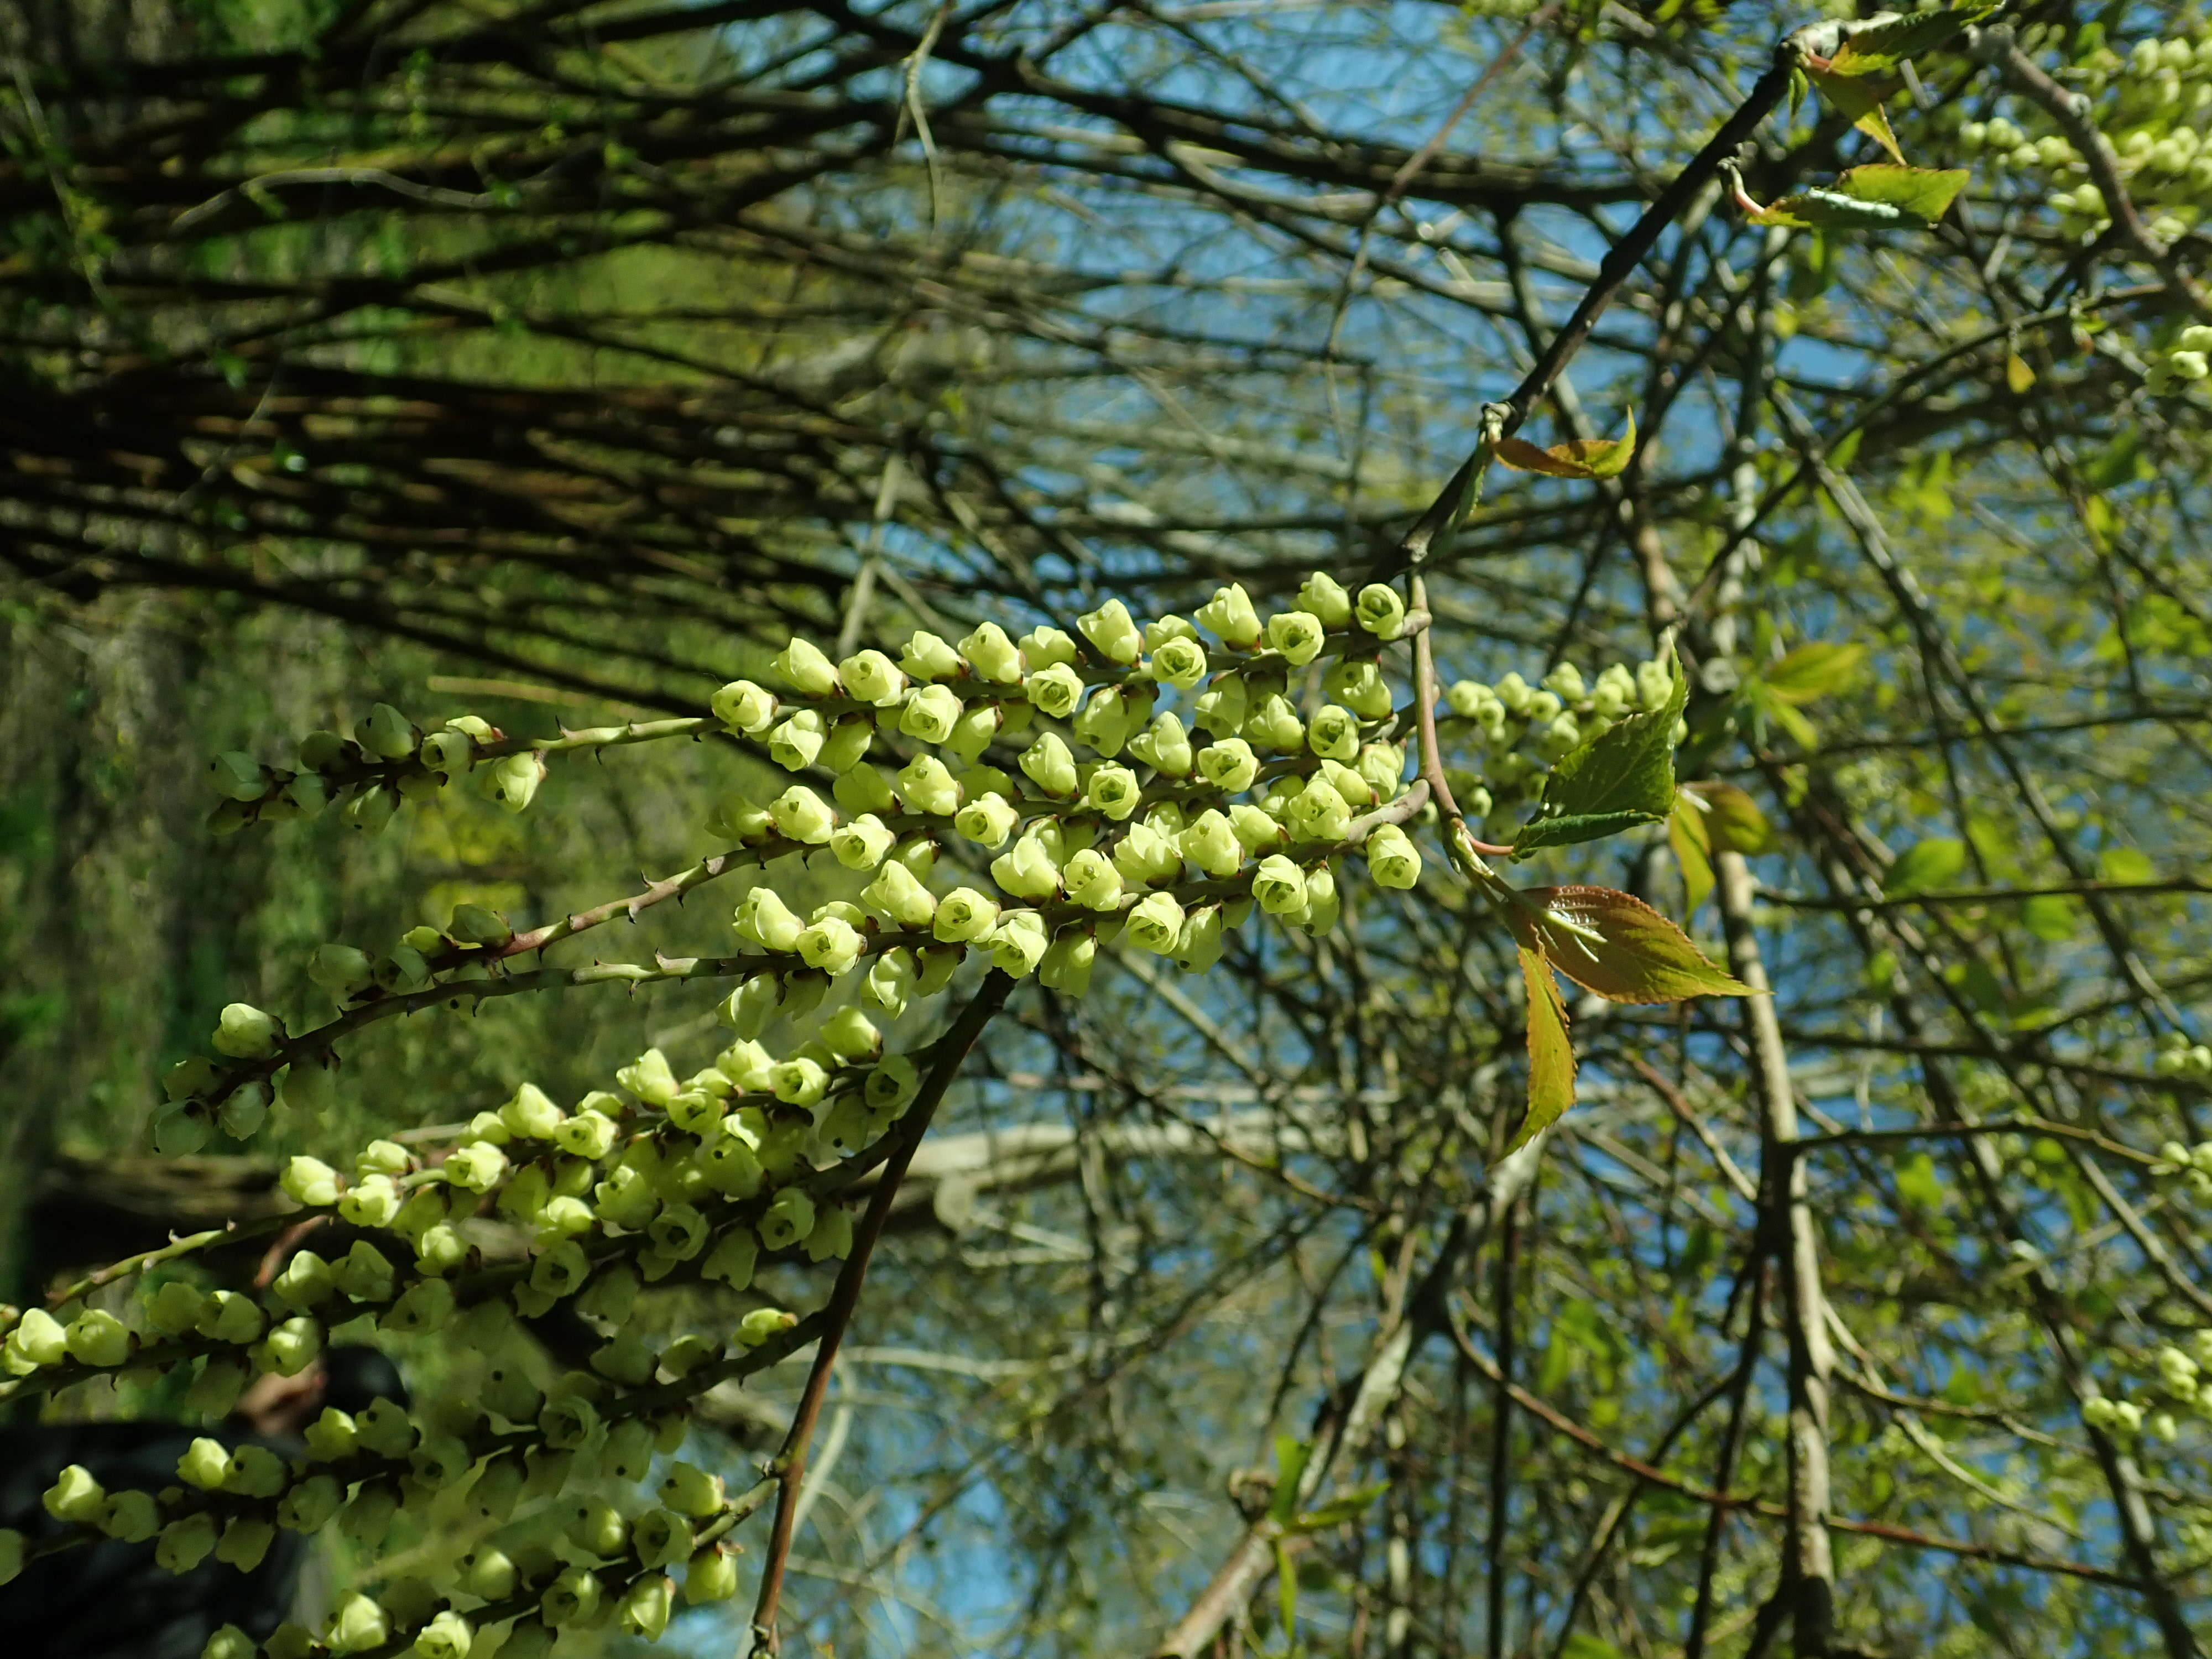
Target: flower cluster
[2178,1389]
[387,760]
[1527,729]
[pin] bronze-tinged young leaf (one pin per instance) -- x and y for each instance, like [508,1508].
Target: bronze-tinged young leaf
[1622,777]
[1615,945]
[1731,820]
[1583,458]
[1551,1056]
[1813,671]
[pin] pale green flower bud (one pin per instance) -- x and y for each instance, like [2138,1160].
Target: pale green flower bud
[1211,845]
[1107,719]
[476,1168]
[695,1111]
[890,981]
[891,1087]
[206,1464]
[341,969]
[802,663]
[987,819]
[439,1461]
[131,1517]
[862,790]
[795,745]
[1045,647]
[1383,766]
[1274,723]
[230,1643]
[561,1271]
[1018,942]
[1179,663]
[930,714]
[1467,699]
[762,1323]
[372,1202]
[1254,828]
[385,1157]
[871,676]
[1163,745]
[1655,683]
[661,1538]
[254,1472]
[1066,965]
[189,1078]
[964,915]
[97,1337]
[1198,945]
[310,1181]
[448,1636]
[331,1435]
[405,969]
[244,1032]
[1109,629]
[712,1576]
[512,780]
[731,1261]
[356,1624]
[679,1231]
[1050,766]
[362,1274]
[1357,792]
[897,896]
[1156,923]
[1027,870]
[1323,597]
[564,1217]
[851,1034]
[291,1347]
[937,963]
[570,1422]
[309,1505]
[367,1516]
[490,1574]
[972,732]
[992,655]
[800,1081]
[745,706]
[789,1217]
[387,734]
[753,1004]
[321,751]
[625,1358]
[645,1606]
[571,1599]
[1113,791]
[1319,813]
[184,1544]
[1280,885]
[245,1541]
[765,920]
[76,1496]
[831,944]
[745,1064]
[691,1490]
[926,784]
[1335,733]
[1221,709]
[1055,690]
[1392,858]
[1147,855]
[441,1250]
[1298,634]
[1566,683]
[844,1129]
[1228,615]
[1380,610]
[227,1316]
[929,658]
[1360,687]
[1092,880]
[800,815]
[1321,900]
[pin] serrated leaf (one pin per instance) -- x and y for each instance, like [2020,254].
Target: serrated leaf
[1860,97]
[1685,834]
[1732,820]
[2018,377]
[1883,46]
[1614,944]
[1622,777]
[1551,1056]
[1814,670]
[1583,457]
[1924,865]
[1880,196]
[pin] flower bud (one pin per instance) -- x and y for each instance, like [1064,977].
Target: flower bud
[441,1250]
[309,1505]
[1321,899]
[237,776]
[512,780]
[661,1538]
[1221,709]
[802,663]
[926,784]
[1179,663]
[691,1490]
[871,676]
[476,1168]
[1198,945]
[1113,791]
[76,1496]
[1380,610]
[992,655]
[679,1231]
[1254,828]
[1211,845]
[1319,813]
[97,1337]
[712,1576]
[987,819]
[745,706]
[645,1606]
[862,790]
[1066,965]
[362,1273]
[890,981]
[291,1347]
[929,658]
[331,1435]
[1228,616]
[1358,794]
[448,1636]
[1155,924]
[1324,598]
[356,1624]
[1109,718]
[129,1517]
[799,1081]
[964,914]
[206,1464]
[1163,745]
[891,1087]
[228,1642]
[367,1516]
[1054,691]
[763,919]
[184,1544]
[831,944]
[246,1539]
[789,1217]
[1145,855]
[1358,686]
[1109,629]
[762,1323]
[731,1259]
[1027,870]
[851,1034]
[1018,942]
[244,1032]
[1335,733]
[972,732]
[371,1202]
[795,745]
[1050,766]
[930,714]
[1273,724]
[1392,858]
[1092,881]
[229,1316]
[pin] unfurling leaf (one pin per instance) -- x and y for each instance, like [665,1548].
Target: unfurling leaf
[1615,945]
[1933,863]
[1346,1506]
[1551,1056]
[1290,1455]
[1881,195]
[1583,457]
[1731,819]
[1687,834]
[1818,669]
[1860,97]
[1622,777]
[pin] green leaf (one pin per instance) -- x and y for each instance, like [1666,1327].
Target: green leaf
[1731,819]
[1583,457]
[1860,97]
[1615,945]
[1933,863]
[1551,1056]
[1622,777]
[1918,1184]
[2018,377]
[1686,833]
[1290,1455]
[1286,1591]
[1814,670]
[2129,863]
[1583,1645]
[2049,917]
[1346,1506]
[1882,46]
[1881,195]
